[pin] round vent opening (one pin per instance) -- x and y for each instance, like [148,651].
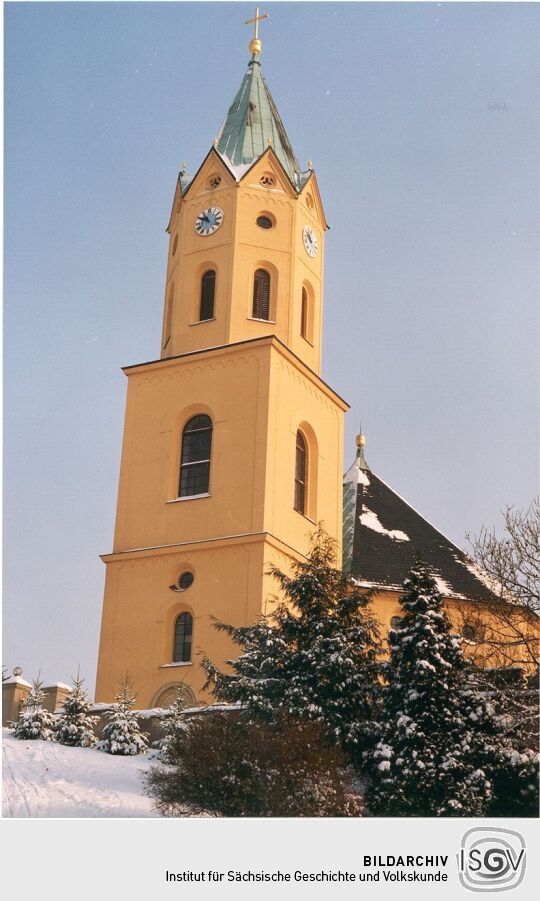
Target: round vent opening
[185,580]
[265,222]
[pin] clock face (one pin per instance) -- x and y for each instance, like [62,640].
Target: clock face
[310,241]
[208,221]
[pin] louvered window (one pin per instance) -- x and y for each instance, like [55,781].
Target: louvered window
[261,295]
[300,474]
[195,457]
[208,290]
[183,633]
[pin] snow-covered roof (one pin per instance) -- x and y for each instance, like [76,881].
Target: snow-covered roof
[383,534]
[16,680]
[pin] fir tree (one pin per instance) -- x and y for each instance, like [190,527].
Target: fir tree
[175,721]
[122,734]
[34,720]
[315,657]
[437,742]
[515,767]
[75,722]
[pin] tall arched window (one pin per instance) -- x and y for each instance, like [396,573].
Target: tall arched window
[195,456]
[300,474]
[183,633]
[261,294]
[304,324]
[168,317]
[208,290]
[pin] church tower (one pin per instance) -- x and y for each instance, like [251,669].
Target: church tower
[232,448]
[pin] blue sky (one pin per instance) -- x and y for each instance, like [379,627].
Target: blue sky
[422,122]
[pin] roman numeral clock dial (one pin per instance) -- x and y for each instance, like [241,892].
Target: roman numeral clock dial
[208,221]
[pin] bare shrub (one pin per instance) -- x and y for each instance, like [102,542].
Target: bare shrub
[226,766]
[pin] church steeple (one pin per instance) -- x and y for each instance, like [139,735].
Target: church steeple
[232,442]
[253,123]
[246,236]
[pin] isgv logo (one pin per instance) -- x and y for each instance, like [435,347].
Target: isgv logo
[491,859]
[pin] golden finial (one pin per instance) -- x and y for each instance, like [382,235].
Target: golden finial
[255,45]
[360,440]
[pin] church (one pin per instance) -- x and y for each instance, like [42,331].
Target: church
[233,442]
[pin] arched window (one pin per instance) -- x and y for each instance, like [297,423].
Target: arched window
[306,313]
[208,290]
[168,317]
[183,632]
[195,457]
[300,474]
[304,324]
[261,294]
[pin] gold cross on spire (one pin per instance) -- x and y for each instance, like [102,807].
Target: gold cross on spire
[255,45]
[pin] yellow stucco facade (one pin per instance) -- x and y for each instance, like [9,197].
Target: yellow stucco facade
[258,382]
[236,251]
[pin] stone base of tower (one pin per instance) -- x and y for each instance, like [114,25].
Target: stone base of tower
[230,583]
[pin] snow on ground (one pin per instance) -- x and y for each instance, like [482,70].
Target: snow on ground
[45,779]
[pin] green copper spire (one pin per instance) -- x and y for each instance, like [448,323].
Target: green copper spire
[253,124]
[355,480]
[361,461]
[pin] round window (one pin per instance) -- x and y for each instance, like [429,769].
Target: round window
[395,621]
[185,580]
[264,222]
[469,632]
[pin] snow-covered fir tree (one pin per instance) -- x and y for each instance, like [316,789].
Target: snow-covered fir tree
[74,725]
[315,657]
[515,777]
[34,720]
[175,721]
[437,742]
[122,734]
